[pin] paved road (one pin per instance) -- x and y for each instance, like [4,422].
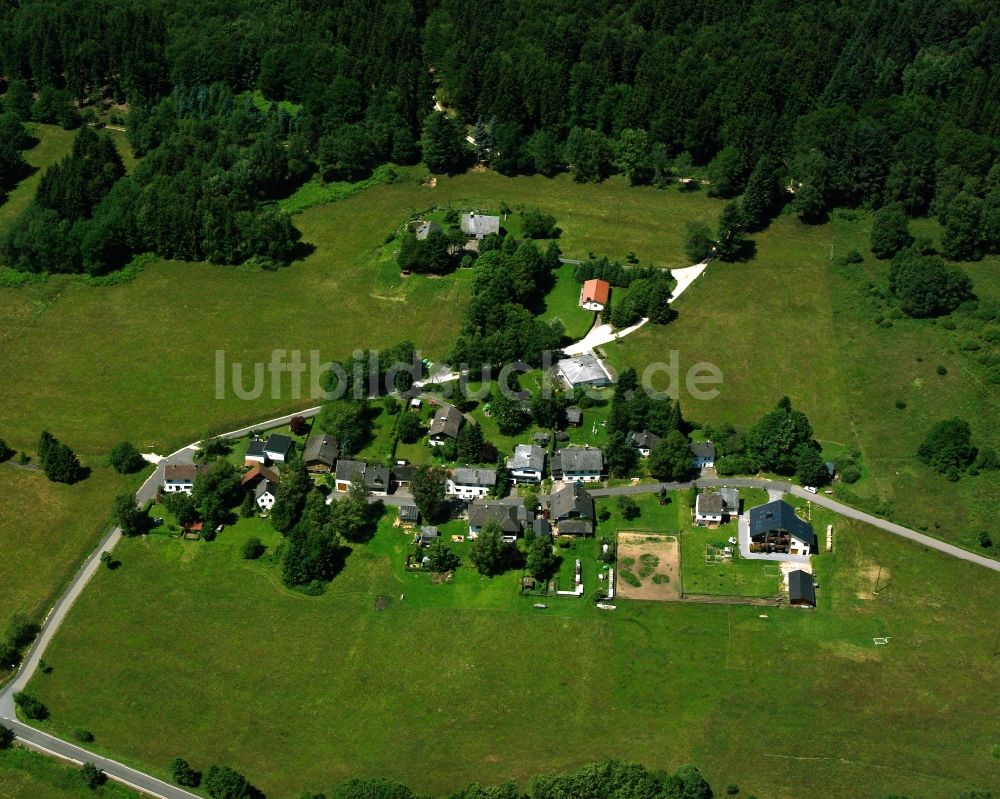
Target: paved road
[819,499]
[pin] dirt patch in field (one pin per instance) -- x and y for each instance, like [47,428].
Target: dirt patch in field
[648,567]
[870,574]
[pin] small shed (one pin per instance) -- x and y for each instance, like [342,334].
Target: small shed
[408,514]
[801,589]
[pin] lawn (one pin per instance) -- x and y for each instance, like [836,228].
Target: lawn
[227,666]
[563,303]
[30,775]
[791,323]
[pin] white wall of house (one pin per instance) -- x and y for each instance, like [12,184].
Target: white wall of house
[266,501]
[255,459]
[526,475]
[591,305]
[798,547]
[581,477]
[464,491]
[703,463]
[708,518]
[173,486]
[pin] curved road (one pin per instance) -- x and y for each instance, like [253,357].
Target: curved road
[154,787]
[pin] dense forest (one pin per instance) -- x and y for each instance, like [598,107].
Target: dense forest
[821,104]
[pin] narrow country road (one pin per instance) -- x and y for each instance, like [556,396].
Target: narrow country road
[819,499]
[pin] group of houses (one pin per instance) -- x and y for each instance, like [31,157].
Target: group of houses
[569,510]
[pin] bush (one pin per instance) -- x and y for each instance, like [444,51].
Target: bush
[942,370]
[30,706]
[84,736]
[125,458]
[901,404]
[182,773]
[850,473]
[298,425]
[6,737]
[252,549]
[948,447]
[6,453]
[92,776]
[984,540]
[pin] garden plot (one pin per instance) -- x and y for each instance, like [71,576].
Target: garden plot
[648,566]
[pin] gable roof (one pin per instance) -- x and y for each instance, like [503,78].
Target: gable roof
[541,528]
[801,587]
[574,415]
[576,526]
[570,500]
[447,422]
[260,472]
[323,448]
[480,225]
[426,228]
[255,449]
[349,470]
[182,472]
[703,449]
[588,460]
[503,512]
[645,439]
[779,516]
[277,442]
[731,496]
[265,487]
[409,513]
[596,290]
[372,475]
[527,456]
[474,477]
[710,504]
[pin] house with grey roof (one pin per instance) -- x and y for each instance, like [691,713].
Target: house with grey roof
[373,477]
[479,226]
[527,464]
[583,370]
[424,229]
[775,528]
[255,452]
[574,416]
[645,442]
[801,589]
[469,484]
[577,464]
[320,453]
[570,510]
[445,425]
[426,536]
[265,494]
[504,513]
[541,528]
[703,455]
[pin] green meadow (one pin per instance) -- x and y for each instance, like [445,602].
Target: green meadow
[464,680]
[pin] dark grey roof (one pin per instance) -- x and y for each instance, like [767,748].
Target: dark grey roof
[703,449]
[568,501]
[323,449]
[831,468]
[372,475]
[574,415]
[255,449]
[587,460]
[527,456]
[277,442]
[540,437]
[576,527]
[801,587]
[505,513]
[409,513]
[480,225]
[474,477]
[779,516]
[402,474]
[645,439]
[447,422]
[265,486]
[541,528]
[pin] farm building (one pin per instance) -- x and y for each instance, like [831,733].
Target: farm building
[577,464]
[801,589]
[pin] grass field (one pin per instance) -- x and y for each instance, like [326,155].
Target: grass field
[30,775]
[791,323]
[463,681]
[563,303]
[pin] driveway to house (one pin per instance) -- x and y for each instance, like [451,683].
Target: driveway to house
[605,334]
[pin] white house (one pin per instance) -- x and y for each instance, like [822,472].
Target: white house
[503,513]
[375,478]
[775,528]
[645,442]
[265,494]
[577,464]
[703,455]
[255,452]
[527,464]
[594,295]
[470,484]
[180,477]
[445,425]
[479,226]
[713,508]
[583,370]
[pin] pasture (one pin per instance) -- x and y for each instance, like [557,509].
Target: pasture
[227,666]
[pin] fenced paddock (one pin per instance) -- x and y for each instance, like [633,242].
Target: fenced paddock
[648,566]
